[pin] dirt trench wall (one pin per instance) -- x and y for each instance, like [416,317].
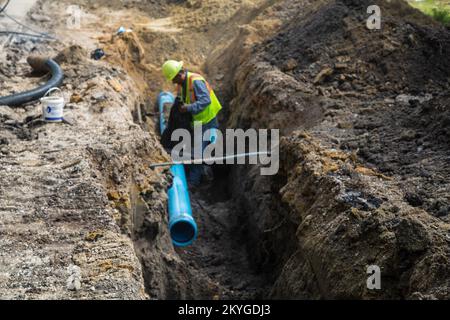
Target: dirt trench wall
[329,215]
[60,233]
[323,220]
[351,219]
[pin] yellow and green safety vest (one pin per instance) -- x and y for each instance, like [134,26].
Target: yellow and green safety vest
[211,111]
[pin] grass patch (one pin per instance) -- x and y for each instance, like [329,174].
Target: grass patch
[442,15]
[438,9]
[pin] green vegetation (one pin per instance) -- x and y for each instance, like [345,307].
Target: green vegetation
[442,15]
[438,9]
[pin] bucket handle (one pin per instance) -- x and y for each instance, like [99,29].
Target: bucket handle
[52,89]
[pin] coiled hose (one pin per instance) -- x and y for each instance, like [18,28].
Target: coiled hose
[38,64]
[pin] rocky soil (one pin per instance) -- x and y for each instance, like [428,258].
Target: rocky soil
[65,214]
[364,153]
[123,251]
[364,166]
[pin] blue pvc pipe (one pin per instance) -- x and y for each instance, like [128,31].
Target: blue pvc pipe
[182,226]
[213,136]
[163,98]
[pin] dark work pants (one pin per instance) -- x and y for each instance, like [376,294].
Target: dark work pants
[196,170]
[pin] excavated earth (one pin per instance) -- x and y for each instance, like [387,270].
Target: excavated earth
[364,154]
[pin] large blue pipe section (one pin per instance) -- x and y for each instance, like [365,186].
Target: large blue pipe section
[182,226]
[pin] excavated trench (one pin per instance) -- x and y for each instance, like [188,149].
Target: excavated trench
[246,232]
[308,232]
[221,252]
[219,264]
[233,256]
[311,231]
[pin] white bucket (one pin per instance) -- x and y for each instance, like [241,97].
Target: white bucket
[52,107]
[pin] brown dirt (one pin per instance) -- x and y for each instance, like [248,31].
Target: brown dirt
[364,155]
[55,183]
[365,183]
[132,192]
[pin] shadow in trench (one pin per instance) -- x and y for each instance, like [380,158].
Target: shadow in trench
[220,252]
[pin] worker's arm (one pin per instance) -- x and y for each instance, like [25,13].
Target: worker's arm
[203,98]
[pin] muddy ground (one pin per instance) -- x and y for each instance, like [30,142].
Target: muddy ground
[364,154]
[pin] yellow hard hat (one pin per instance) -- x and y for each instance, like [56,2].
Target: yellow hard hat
[171,68]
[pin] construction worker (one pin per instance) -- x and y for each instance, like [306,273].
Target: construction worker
[197,98]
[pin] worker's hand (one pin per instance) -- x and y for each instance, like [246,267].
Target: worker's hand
[183,108]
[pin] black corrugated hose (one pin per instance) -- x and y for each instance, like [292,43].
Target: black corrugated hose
[4,7]
[34,94]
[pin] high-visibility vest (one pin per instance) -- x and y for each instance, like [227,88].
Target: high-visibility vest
[211,111]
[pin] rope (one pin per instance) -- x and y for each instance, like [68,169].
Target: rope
[7,32]
[38,35]
[27,27]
